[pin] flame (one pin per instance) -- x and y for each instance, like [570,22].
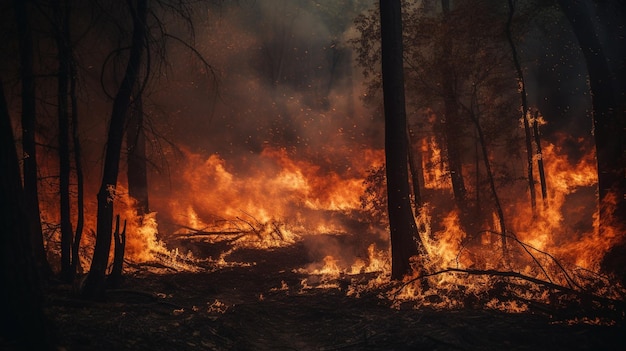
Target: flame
[433,164]
[277,199]
[557,242]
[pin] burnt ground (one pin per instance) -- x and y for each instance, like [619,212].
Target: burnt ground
[265,307]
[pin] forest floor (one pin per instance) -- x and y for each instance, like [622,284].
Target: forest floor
[266,306]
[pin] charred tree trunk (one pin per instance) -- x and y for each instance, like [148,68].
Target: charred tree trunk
[94,284]
[115,278]
[23,323]
[452,121]
[137,170]
[78,164]
[540,168]
[414,161]
[609,130]
[405,240]
[28,135]
[475,116]
[62,43]
[523,96]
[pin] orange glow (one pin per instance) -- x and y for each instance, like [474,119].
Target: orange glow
[434,165]
[279,199]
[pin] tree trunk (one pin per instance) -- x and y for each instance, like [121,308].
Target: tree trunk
[137,170]
[524,100]
[94,284]
[452,121]
[78,164]
[608,129]
[405,239]
[23,323]
[28,135]
[415,160]
[115,278]
[62,43]
[475,116]
[539,153]
[608,121]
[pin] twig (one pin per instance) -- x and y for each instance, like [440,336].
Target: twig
[511,274]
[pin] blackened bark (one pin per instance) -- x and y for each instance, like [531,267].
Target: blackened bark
[405,239]
[23,323]
[415,160]
[540,167]
[94,285]
[78,164]
[62,42]
[524,100]
[137,169]
[451,123]
[475,116]
[115,278]
[608,121]
[609,130]
[28,135]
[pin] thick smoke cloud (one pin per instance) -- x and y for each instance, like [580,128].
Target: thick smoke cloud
[279,77]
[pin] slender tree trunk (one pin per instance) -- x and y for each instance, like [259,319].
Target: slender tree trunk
[137,169]
[115,278]
[28,135]
[94,284]
[475,116]
[405,239]
[414,160]
[477,210]
[452,121]
[62,42]
[78,164]
[523,95]
[539,153]
[23,323]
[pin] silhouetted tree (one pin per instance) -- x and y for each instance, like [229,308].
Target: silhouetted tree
[405,240]
[524,101]
[94,284]
[23,323]
[62,39]
[451,124]
[29,149]
[609,127]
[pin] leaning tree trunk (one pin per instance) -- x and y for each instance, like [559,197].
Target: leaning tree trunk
[23,322]
[475,116]
[524,100]
[29,101]
[540,166]
[404,236]
[94,284]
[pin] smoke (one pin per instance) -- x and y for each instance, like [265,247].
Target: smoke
[274,130]
[279,77]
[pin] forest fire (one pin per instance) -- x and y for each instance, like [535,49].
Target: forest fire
[281,199]
[312,175]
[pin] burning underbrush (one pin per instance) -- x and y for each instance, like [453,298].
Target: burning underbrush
[217,218]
